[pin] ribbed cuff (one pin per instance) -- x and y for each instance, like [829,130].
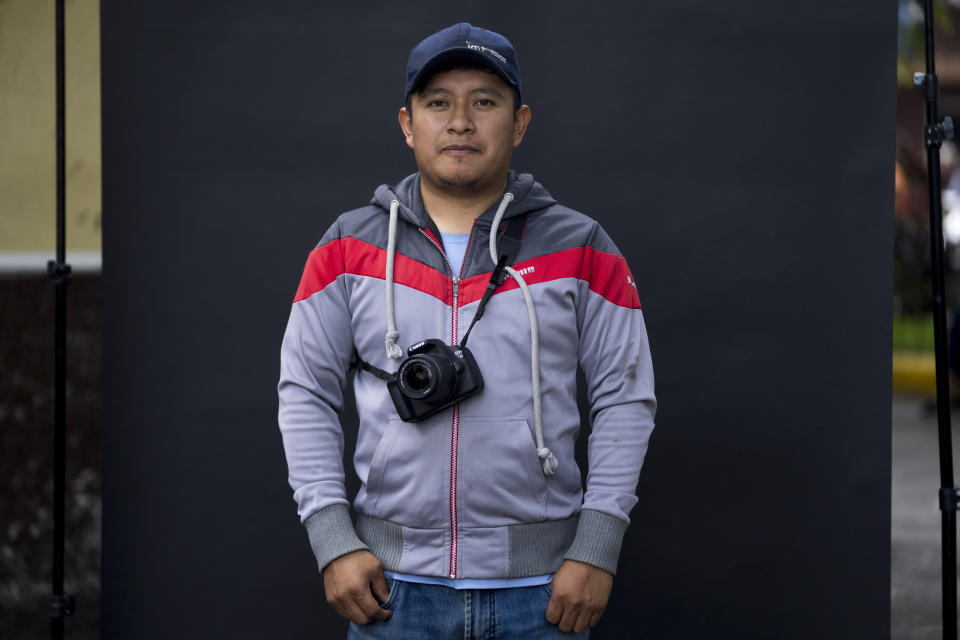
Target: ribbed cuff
[332,534]
[598,540]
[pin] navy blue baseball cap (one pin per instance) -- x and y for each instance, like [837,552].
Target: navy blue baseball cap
[467,44]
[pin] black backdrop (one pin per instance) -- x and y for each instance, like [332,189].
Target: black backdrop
[741,154]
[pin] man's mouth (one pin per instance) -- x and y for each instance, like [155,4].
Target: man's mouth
[460,149]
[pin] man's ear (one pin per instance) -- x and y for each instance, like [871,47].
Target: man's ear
[520,121]
[406,124]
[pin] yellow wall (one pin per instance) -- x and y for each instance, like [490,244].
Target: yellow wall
[28,187]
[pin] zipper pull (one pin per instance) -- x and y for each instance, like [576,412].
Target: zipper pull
[456,285]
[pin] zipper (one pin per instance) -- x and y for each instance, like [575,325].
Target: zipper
[455,429]
[454,440]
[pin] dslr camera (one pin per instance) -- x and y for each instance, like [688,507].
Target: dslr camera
[434,376]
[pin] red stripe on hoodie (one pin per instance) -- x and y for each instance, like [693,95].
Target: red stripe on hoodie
[323,266]
[349,255]
[607,273]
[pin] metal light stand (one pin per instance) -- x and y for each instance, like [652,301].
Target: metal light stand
[59,271]
[935,132]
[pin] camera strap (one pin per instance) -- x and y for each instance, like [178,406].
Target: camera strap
[359,363]
[509,248]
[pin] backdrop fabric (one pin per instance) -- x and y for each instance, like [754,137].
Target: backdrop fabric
[739,153]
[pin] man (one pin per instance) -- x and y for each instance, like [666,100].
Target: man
[472,521]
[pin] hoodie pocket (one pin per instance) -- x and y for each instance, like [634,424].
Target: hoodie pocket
[408,482]
[501,481]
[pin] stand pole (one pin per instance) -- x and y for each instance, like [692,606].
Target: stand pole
[59,271]
[934,133]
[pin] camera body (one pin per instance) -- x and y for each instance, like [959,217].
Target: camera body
[434,376]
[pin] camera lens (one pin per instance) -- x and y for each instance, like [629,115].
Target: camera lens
[417,377]
[427,378]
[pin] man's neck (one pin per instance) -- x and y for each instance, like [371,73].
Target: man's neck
[455,212]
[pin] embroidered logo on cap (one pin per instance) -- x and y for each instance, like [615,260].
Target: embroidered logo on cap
[482,49]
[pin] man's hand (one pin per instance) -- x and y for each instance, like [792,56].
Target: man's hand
[579,596]
[351,582]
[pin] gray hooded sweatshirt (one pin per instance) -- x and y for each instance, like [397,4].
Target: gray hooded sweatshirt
[489,487]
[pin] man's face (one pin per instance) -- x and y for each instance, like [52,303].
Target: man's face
[463,129]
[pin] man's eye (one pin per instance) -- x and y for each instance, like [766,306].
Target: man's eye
[484,102]
[436,103]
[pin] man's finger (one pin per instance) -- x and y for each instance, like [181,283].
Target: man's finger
[366,602]
[554,611]
[354,614]
[380,590]
[569,618]
[582,622]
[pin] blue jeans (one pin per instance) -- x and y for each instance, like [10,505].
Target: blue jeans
[427,611]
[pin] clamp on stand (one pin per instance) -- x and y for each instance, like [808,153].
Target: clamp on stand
[950,499]
[59,272]
[934,134]
[62,606]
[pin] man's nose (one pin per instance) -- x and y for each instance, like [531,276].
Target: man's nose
[460,120]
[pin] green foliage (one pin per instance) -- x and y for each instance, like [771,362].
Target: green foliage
[913,333]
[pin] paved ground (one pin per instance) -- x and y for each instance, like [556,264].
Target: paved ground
[915,544]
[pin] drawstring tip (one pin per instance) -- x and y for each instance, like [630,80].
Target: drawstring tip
[548,461]
[393,351]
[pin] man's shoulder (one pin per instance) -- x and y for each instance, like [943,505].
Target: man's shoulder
[560,226]
[364,223]
[558,211]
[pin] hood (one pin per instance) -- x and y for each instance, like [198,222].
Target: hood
[528,195]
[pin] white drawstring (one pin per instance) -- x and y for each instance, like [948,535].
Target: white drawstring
[393,350]
[548,461]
